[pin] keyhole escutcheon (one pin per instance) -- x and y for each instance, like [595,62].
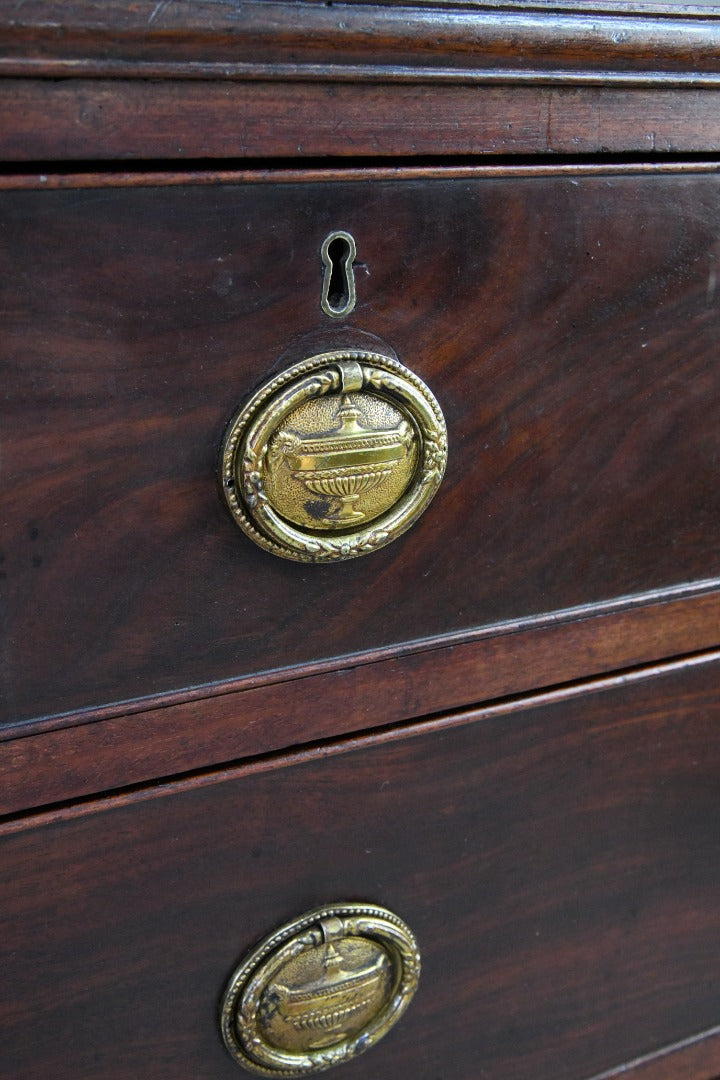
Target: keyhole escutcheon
[338,292]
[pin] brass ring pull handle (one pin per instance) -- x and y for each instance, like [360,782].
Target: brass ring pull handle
[320,990]
[335,457]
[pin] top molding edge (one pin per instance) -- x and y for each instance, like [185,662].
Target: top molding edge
[358,39]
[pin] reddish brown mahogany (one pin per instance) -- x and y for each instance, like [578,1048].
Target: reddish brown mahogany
[565,323]
[61,119]
[198,741]
[556,861]
[86,752]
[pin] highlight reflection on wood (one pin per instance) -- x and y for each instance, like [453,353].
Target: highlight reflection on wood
[503,724]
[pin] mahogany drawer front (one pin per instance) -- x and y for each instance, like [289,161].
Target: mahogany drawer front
[567,323]
[557,861]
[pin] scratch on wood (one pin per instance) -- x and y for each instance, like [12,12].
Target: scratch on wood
[158,10]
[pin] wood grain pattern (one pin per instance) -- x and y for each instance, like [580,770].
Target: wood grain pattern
[50,37]
[121,119]
[84,754]
[567,325]
[558,864]
[555,850]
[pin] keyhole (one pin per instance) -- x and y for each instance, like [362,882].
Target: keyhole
[338,291]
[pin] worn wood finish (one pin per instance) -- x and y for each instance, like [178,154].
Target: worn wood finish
[567,325]
[86,753]
[368,40]
[558,864]
[122,119]
[246,79]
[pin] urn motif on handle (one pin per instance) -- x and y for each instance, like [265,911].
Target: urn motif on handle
[335,457]
[320,990]
[348,462]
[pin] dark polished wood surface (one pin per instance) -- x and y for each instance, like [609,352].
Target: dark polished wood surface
[268,736]
[557,862]
[132,119]
[237,38]
[113,747]
[104,79]
[567,324]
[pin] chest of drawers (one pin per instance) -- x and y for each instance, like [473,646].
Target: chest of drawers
[501,725]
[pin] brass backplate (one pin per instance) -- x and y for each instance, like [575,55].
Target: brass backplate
[335,457]
[320,990]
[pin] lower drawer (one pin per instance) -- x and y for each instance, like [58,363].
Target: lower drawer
[559,862]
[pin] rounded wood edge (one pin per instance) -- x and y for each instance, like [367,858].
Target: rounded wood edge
[698,594]
[99,801]
[251,38]
[694,1058]
[54,766]
[149,177]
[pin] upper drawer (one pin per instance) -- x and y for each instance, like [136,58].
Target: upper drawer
[566,320]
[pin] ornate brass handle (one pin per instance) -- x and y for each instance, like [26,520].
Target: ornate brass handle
[335,457]
[320,990]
